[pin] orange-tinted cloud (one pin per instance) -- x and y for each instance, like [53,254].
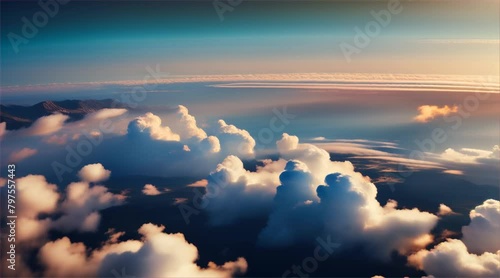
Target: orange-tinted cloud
[428,113]
[22,154]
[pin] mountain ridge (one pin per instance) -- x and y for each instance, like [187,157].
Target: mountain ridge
[19,116]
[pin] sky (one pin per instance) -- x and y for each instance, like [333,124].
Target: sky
[96,41]
[227,138]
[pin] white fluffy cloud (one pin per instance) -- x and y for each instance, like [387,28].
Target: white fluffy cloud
[82,204]
[233,192]
[452,259]
[47,125]
[40,209]
[172,144]
[150,125]
[157,254]
[234,140]
[483,232]
[35,196]
[345,207]
[211,144]
[316,159]
[182,128]
[106,113]
[476,255]
[186,126]
[347,210]
[94,173]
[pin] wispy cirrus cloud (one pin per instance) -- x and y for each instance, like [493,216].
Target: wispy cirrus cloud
[19,155]
[460,41]
[354,81]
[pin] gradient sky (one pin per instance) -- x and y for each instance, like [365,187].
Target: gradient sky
[402,143]
[104,41]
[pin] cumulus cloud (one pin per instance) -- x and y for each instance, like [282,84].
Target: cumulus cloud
[150,125]
[428,113]
[292,205]
[347,202]
[211,144]
[445,210]
[452,259]
[182,128]
[157,254]
[152,145]
[94,173]
[235,140]
[317,159]
[481,234]
[22,154]
[81,205]
[47,125]
[150,190]
[348,211]
[302,208]
[35,197]
[476,255]
[186,126]
[42,208]
[233,192]
[189,132]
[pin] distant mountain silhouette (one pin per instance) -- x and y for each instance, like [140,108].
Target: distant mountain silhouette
[18,116]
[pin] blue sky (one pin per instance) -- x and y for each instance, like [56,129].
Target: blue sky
[104,41]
